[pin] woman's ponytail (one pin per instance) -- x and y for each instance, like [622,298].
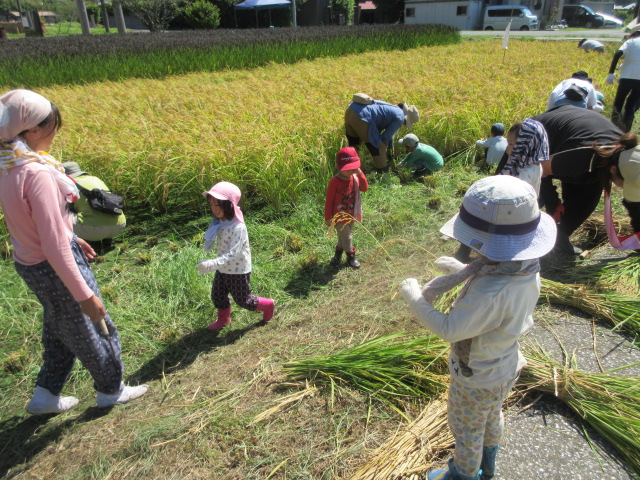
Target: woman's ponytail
[610,155]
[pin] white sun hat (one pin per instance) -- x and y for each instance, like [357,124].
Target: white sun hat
[500,219]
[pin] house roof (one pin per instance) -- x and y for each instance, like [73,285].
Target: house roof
[367,5]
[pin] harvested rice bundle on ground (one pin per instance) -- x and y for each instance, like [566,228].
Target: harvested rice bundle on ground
[608,403]
[622,311]
[622,276]
[394,368]
[409,452]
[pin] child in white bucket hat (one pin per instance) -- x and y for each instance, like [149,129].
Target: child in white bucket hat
[500,220]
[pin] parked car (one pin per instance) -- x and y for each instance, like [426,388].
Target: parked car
[581,16]
[497,17]
[610,21]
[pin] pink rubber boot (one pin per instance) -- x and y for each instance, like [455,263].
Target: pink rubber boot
[224,319]
[266,305]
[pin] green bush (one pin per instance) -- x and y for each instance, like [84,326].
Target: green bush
[199,14]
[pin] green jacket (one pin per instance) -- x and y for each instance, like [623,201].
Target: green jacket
[424,156]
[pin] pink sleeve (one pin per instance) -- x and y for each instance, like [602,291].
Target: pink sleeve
[44,199]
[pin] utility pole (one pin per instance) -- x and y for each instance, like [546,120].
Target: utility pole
[295,17]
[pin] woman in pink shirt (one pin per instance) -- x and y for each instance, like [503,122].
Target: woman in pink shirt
[53,262]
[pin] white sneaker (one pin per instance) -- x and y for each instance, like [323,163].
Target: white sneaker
[123,396]
[43,401]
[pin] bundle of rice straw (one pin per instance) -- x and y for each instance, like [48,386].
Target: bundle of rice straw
[622,276]
[393,368]
[409,452]
[622,311]
[609,403]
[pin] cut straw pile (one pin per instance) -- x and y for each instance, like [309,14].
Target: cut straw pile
[610,404]
[622,311]
[393,368]
[622,276]
[410,451]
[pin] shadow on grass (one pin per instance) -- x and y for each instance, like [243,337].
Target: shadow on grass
[180,222]
[183,352]
[22,438]
[311,278]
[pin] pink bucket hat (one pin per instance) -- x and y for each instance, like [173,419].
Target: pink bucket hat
[21,110]
[227,191]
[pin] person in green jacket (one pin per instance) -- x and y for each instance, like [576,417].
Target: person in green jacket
[421,158]
[89,224]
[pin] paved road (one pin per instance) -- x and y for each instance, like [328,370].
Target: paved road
[601,34]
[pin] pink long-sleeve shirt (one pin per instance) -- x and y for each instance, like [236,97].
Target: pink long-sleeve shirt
[39,224]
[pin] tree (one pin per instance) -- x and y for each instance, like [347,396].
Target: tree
[155,14]
[199,14]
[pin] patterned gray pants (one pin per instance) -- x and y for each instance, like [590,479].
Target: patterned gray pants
[67,333]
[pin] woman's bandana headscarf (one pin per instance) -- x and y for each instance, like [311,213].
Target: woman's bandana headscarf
[18,153]
[21,110]
[532,146]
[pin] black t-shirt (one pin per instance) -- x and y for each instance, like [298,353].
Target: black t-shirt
[568,128]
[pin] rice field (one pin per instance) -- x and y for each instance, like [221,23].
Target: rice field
[274,129]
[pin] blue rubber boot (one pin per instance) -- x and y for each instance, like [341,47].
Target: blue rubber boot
[451,474]
[488,464]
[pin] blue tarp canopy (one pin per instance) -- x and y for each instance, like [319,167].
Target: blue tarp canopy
[261,5]
[264,4]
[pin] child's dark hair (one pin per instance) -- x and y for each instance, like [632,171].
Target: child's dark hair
[227,208]
[515,129]
[53,120]
[610,155]
[497,129]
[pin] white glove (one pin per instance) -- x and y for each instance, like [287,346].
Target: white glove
[410,289]
[206,266]
[610,78]
[449,265]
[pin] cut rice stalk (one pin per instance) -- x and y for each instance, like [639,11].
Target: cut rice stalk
[412,449]
[284,402]
[622,311]
[609,404]
[393,368]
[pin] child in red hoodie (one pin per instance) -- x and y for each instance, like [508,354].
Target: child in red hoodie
[344,202]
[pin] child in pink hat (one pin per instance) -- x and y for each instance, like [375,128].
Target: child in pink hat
[233,263]
[343,204]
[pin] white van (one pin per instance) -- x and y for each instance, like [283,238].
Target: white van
[496,17]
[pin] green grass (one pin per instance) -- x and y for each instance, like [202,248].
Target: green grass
[161,306]
[62,29]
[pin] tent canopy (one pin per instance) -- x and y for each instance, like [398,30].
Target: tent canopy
[263,4]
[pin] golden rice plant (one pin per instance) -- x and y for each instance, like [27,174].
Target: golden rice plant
[274,130]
